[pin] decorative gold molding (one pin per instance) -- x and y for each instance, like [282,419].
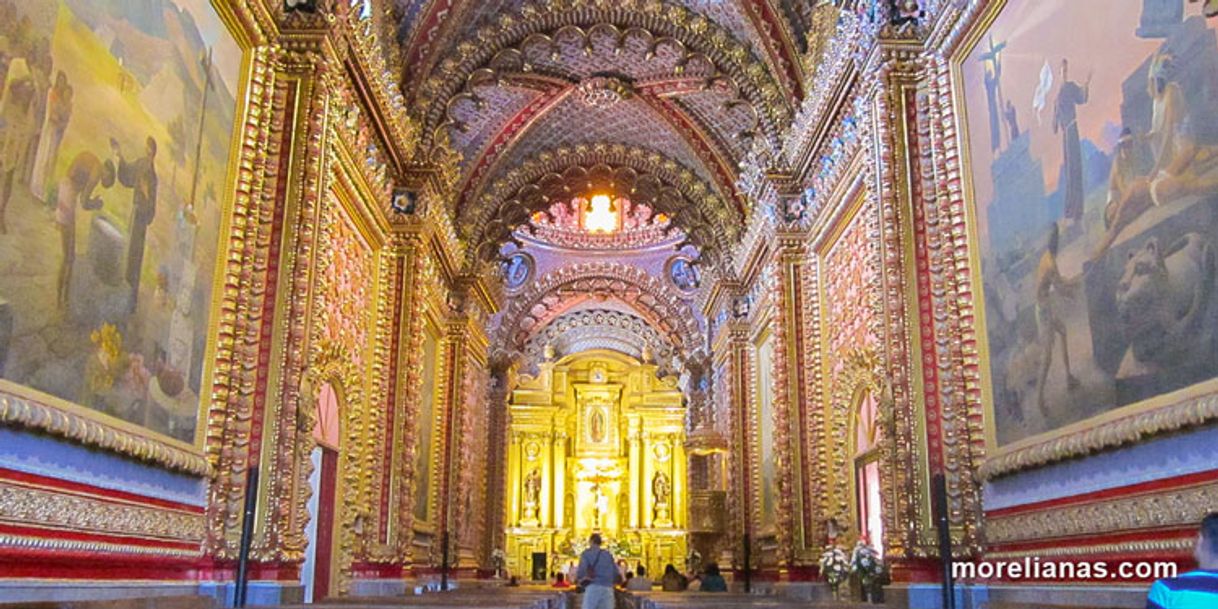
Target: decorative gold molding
[1176,507]
[1155,546]
[1130,429]
[48,414]
[92,547]
[26,505]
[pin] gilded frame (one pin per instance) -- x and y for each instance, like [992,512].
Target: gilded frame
[29,408]
[1185,407]
[763,334]
[432,328]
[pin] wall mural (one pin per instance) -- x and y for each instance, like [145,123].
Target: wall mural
[1093,136]
[115,127]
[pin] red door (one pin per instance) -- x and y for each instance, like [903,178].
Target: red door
[325,523]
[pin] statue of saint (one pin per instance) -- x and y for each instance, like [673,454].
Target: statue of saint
[661,488]
[532,488]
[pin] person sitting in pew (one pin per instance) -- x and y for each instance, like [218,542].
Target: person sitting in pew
[673,581]
[711,580]
[640,582]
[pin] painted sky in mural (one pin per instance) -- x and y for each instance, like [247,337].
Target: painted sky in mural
[115,126]
[1093,137]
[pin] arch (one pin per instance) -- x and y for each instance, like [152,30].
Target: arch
[859,376]
[557,291]
[708,220]
[331,367]
[600,328]
[865,435]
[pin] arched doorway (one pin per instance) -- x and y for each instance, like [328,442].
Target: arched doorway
[866,436]
[317,573]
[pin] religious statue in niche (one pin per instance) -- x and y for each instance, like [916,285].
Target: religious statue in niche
[596,425]
[661,491]
[569,510]
[532,495]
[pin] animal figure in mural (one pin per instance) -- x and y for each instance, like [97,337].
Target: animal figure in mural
[1168,304]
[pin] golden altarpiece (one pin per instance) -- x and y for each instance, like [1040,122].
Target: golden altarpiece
[596,445]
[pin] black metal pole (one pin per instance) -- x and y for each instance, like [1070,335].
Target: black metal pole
[444,563]
[939,493]
[748,563]
[247,536]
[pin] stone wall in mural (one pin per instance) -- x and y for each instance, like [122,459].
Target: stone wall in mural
[115,124]
[1093,134]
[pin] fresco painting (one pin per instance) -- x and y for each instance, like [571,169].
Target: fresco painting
[1092,129]
[116,118]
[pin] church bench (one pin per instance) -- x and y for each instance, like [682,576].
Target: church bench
[155,602]
[1027,605]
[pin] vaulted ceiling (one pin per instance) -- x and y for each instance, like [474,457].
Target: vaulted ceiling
[661,101]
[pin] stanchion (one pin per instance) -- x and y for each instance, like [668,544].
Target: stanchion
[247,536]
[939,497]
[748,563]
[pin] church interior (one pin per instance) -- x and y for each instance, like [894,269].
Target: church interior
[398,303]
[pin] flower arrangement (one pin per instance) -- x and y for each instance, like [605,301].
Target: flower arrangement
[499,561]
[867,565]
[834,566]
[865,562]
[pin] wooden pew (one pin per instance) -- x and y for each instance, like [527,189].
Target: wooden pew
[153,602]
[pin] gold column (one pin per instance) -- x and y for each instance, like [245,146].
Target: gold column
[679,507]
[635,466]
[560,479]
[514,480]
[545,513]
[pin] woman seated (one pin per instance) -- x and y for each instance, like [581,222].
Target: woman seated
[712,581]
[673,581]
[640,582]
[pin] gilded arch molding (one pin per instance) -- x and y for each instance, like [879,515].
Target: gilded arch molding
[708,219]
[862,371]
[602,329]
[554,293]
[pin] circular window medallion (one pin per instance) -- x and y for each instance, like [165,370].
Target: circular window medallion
[517,270]
[682,273]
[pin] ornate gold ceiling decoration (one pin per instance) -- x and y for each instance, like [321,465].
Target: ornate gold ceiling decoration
[603,91]
[564,225]
[602,329]
[508,46]
[556,292]
[645,176]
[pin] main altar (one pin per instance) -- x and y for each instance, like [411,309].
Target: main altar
[597,445]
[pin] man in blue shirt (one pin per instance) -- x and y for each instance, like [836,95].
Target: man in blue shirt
[1195,589]
[597,573]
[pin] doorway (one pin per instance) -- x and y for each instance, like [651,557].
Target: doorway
[317,571]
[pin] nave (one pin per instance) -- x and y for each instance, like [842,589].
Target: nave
[829,303]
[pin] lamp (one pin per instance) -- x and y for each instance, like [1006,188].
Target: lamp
[601,215]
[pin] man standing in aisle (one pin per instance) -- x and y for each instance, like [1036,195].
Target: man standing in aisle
[597,575]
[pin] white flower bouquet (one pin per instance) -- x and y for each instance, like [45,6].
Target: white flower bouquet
[834,566]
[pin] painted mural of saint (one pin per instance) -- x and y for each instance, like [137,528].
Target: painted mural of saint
[1065,121]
